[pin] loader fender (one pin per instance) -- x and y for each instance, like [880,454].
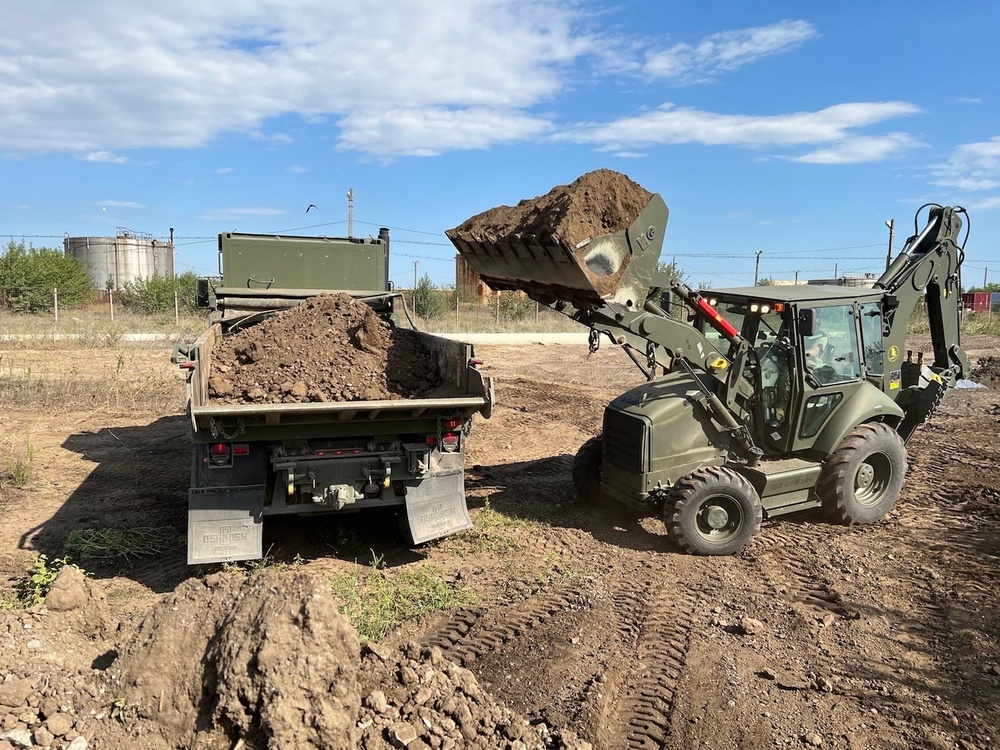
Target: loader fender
[866,404]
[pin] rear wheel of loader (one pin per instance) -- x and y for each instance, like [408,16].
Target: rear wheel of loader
[587,469]
[862,479]
[713,511]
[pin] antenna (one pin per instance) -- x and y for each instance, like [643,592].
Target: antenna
[350,212]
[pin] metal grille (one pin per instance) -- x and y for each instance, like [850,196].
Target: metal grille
[626,441]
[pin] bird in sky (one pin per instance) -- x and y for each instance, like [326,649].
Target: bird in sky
[312,205]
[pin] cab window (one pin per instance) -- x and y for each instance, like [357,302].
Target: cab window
[871,337]
[831,353]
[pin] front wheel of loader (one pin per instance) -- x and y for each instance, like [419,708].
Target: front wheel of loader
[863,477]
[587,469]
[713,511]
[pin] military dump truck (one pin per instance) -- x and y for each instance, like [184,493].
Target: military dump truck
[257,459]
[765,400]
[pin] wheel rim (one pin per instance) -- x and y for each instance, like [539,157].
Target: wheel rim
[719,519]
[872,479]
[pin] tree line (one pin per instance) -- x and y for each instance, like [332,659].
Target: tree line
[28,276]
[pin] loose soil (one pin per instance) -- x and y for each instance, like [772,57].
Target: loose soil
[587,628]
[328,348]
[599,202]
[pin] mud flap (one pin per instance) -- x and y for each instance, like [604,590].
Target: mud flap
[436,507]
[225,524]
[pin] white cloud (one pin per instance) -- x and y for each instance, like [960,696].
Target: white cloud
[231,214]
[104,156]
[834,125]
[119,204]
[985,204]
[726,51]
[178,75]
[971,166]
[297,169]
[859,149]
[431,131]
[968,100]
[224,170]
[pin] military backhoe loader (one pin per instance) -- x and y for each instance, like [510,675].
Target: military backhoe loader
[766,400]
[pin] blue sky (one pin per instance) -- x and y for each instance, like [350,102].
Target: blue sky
[792,128]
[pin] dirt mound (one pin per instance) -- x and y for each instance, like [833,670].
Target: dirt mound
[599,202]
[987,368]
[268,659]
[414,697]
[329,348]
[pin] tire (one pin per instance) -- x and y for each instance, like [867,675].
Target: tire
[862,478]
[587,469]
[713,511]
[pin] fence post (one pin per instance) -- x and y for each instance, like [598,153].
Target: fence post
[177,316]
[111,302]
[55,303]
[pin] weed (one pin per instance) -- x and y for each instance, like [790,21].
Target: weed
[122,711]
[35,586]
[20,466]
[489,529]
[119,544]
[376,602]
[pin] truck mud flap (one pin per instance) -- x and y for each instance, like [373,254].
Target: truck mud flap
[225,524]
[436,507]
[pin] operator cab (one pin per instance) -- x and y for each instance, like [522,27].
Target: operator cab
[810,349]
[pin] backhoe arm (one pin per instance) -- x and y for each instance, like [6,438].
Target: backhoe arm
[929,266]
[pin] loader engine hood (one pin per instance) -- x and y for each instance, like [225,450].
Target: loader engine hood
[658,432]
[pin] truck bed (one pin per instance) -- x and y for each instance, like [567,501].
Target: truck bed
[464,391]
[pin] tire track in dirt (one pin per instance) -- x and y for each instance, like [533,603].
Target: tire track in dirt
[626,675]
[795,545]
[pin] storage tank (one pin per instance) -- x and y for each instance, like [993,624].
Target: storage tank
[123,258]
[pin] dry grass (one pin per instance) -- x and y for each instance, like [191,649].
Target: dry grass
[89,329]
[114,381]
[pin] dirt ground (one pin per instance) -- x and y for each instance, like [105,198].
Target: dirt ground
[587,629]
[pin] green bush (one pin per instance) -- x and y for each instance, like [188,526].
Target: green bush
[30,274]
[428,301]
[155,294]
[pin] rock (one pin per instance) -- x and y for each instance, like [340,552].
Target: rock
[14,693]
[80,743]
[377,701]
[17,737]
[59,724]
[812,739]
[43,737]
[219,386]
[402,733]
[69,591]
[751,626]
[300,389]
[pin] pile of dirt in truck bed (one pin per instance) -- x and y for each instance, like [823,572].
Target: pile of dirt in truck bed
[328,348]
[599,202]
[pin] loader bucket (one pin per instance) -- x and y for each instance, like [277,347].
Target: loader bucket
[609,268]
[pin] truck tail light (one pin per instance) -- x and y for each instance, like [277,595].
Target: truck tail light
[219,454]
[449,441]
[431,440]
[241,449]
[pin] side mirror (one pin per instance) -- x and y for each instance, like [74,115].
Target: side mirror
[201,300]
[807,321]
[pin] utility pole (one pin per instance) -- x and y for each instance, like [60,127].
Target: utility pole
[796,278]
[415,264]
[756,268]
[986,273]
[350,212]
[892,229]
